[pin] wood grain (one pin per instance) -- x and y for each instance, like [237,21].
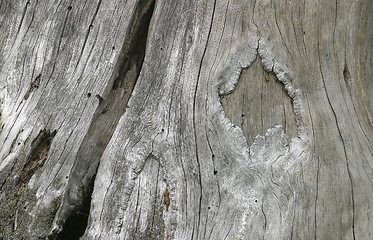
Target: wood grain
[256,116]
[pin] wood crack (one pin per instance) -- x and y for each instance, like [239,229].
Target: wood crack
[106,117]
[343,143]
[194,118]
[23,17]
[89,29]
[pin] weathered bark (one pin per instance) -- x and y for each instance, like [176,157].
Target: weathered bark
[186,119]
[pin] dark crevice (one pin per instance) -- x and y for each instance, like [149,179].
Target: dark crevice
[39,154]
[105,119]
[76,224]
[133,50]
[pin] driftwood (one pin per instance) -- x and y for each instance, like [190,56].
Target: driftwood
[151,119]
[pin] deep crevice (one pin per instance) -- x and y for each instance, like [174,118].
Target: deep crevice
[76,224]
[133,50]
[103,125]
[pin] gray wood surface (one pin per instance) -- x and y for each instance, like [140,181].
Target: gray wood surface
[187,119]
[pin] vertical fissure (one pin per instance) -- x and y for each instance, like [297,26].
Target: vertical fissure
[76,223]
[77,198]
[194,122]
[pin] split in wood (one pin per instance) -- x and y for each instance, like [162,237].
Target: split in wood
[34,85]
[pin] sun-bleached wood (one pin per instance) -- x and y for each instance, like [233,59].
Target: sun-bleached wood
[205,119]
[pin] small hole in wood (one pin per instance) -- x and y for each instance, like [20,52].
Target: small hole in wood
[113,48]
[89,95]
[346,73]
[100,99]
[215,172]
[69,8]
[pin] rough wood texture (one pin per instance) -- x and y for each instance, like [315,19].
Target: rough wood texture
[259,102]
[157,104]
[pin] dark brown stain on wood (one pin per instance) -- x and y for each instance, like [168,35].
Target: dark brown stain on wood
[166,197]
[39,154]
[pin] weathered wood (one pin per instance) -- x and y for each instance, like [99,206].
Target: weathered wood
[193,119]
[260,94]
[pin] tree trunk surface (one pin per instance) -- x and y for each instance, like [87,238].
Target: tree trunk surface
[152,119]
